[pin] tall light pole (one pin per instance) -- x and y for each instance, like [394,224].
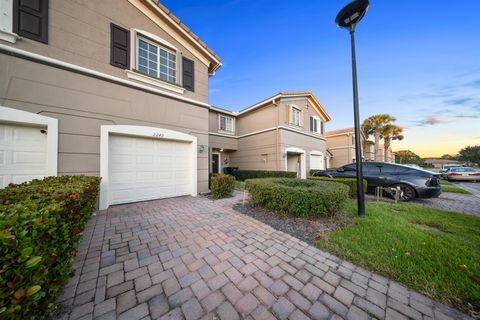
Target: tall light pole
[348,18]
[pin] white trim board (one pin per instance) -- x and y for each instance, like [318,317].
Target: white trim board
[139,131]
[14,116]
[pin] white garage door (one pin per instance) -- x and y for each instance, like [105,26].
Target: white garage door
[144,169]
[317,162]
[23,154]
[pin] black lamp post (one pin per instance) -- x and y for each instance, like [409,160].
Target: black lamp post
[348,18]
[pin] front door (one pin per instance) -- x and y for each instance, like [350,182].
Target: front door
[215,163]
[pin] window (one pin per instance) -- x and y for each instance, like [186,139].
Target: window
[295,115]
[156,61]
[316,125]
[225,123]
[30,19]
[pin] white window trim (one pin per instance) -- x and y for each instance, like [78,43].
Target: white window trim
[135,75]
[135,34]
[294,107]
[158,46]
[318,122]
[6,21]
[15,116]
[233,124]
[139,131]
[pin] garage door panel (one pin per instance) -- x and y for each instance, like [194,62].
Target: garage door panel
[23,154]
[317,162]
[159,169]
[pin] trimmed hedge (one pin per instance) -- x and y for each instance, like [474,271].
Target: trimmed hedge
[242,175]
[296,197]
[222,185]
[351,183]
[41,223]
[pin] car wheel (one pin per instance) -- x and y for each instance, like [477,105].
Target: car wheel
[408,193]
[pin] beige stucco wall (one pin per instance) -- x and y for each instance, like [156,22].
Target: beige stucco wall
[79,33]
[257,152]
[260,119]
[82,104]
[289,139]
[219,142]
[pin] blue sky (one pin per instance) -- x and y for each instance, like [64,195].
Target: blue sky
[417,60]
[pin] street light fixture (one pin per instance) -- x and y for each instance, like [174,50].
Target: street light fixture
[348,18]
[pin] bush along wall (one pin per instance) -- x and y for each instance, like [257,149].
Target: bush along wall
[222,185]
[242,175]
[298,198]
[351,183]
[41,223]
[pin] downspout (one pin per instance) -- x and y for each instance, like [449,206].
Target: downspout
[278,157]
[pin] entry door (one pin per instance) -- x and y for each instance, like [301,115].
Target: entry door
[215,163]
[23,154]
[145,169]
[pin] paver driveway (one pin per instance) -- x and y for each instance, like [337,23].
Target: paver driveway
[194,258]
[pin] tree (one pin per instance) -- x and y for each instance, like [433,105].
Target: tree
[374,125]
[391,132]
[407,156]
[449,157]
[470,154]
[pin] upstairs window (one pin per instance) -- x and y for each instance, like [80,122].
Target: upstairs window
[156,61]
[295,116]
[315,124]
[225,123]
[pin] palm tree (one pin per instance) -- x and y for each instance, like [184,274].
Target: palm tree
[390,132]
[374,125]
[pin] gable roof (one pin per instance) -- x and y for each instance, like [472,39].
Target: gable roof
[285,94]
[173,22]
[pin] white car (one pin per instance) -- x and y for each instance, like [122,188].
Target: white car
[462,173]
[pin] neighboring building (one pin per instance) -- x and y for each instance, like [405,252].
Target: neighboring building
[283,132]
[111,88]
[341,144]
[119,89]
[439,162]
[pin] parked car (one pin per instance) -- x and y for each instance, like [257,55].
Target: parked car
[445,167]
[462,174]
[413,165]
[414,183]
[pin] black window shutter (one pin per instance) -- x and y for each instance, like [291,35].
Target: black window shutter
[119,47]
[30,19]
[321,127]
[188,70]
[311,123]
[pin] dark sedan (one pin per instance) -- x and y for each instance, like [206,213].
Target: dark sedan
[414,183]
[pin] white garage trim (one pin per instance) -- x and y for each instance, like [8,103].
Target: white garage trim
[14,116]
[139,131]
[303,164]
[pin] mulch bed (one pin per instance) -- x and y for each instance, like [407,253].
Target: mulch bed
[308,230]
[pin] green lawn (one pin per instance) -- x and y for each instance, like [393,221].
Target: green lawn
[432,251]
[239,185]
[454,189]
[445,182]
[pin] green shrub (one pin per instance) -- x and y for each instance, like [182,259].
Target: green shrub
[313,171]
[242,175]
[350,182]
[41,223]
[222,185]
[296,197]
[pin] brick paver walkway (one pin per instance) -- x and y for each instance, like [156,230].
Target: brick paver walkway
[468,204]
[192,258]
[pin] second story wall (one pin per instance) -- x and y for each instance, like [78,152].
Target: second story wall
[79,32]
[306,109]
[259,119]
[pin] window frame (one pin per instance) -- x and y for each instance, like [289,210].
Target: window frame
[297,109]
[316,125]
[138,37]
[226,118]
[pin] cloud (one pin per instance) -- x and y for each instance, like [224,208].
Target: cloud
[467,116]
[458,101]
[432,120]
[475,83]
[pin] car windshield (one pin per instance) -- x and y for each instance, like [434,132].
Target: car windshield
[462,170]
